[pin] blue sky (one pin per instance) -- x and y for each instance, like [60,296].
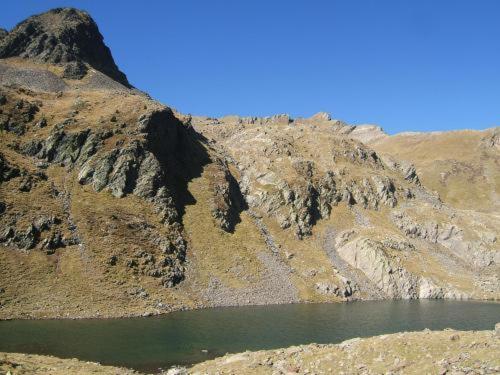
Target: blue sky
[404,65]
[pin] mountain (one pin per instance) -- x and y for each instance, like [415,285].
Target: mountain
[112,204]
[62,35]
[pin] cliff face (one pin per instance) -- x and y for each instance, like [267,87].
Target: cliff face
[112,204]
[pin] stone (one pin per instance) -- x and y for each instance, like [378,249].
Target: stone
[42,123]
[326,288]
[177,371]
[113,260]
[7,171]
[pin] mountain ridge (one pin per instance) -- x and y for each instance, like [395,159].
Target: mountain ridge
[114,204]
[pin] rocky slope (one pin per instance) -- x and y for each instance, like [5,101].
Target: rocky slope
[24,364]
[112,204]
[62,35]
[428,352]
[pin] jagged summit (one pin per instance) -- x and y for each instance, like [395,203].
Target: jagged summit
[321,116]
[61,36]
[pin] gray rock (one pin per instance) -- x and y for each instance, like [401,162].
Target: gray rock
[28,239]
[35,79]
[62,147]
[369,257]
[227,200]
[75,70]
[7,171]
[448,235]
[61,35]
[407,169]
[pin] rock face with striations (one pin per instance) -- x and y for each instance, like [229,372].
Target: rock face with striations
[62,36]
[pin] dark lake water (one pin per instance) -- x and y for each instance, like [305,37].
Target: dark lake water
[187,337]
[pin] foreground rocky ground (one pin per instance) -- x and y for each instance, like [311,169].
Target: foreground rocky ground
[426,352]
[25,364]
[112,204]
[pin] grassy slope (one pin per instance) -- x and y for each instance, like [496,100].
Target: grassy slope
[455,164]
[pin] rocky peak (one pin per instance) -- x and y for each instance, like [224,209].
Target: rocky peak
[61,36]
[367,133]
[321,116]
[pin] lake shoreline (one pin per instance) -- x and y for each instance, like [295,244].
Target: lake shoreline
[187,337]
[158,313]
[417,351]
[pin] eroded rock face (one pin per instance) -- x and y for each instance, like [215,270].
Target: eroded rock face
[448,235]
[282,173]
[492,140]
[385,272]
[142,166]
[60,36]
[370,257]
[44,232]
[227,201]
[300,205]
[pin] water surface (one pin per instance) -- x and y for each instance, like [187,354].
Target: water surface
[187,337]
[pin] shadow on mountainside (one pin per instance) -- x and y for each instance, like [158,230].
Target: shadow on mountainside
[185,156]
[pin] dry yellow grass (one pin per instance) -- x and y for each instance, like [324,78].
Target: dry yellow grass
[456,164]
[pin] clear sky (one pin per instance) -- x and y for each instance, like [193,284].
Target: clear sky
[415,65]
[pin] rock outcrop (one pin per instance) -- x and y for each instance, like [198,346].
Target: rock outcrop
[62,36]
[370,257]
[449,236]
[141,167]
